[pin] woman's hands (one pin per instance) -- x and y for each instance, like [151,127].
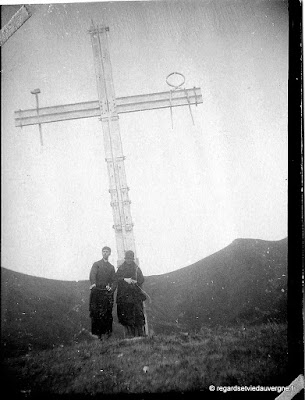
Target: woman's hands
[130,280]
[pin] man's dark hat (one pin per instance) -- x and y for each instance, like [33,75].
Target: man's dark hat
[106,248]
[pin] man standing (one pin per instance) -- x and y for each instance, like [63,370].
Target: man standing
[102,276]
[129,279]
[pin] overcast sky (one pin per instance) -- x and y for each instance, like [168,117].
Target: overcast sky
[193,188]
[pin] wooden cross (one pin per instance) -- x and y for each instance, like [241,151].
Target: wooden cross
[107,107]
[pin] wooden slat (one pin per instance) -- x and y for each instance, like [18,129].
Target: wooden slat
[14,23]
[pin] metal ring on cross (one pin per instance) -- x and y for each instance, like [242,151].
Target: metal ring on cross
[176,87]
[172,84]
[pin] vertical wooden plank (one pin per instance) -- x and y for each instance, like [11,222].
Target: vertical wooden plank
[113,145]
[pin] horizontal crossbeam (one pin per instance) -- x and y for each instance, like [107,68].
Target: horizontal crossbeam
[90,109]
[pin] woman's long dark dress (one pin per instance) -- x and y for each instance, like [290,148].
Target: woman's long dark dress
[129,302]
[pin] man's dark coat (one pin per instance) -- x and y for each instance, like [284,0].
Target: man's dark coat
[101,300]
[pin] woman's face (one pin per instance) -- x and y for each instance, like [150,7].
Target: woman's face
[129,259]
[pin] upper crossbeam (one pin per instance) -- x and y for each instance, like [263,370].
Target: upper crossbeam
[90,109]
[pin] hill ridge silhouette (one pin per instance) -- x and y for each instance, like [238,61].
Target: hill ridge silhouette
[244,283]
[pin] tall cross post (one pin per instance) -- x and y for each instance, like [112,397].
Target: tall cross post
[108,108]
[118,189]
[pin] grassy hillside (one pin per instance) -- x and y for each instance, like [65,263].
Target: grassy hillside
[243,283]
[39,313]
[158,364]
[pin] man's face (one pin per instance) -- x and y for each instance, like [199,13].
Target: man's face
[106,253]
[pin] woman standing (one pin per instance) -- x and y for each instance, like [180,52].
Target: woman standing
[129,279]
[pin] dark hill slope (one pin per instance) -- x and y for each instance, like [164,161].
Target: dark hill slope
[41,312]
[244,282]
